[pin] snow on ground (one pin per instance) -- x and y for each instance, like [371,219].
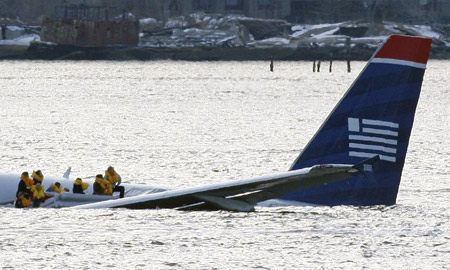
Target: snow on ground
[24,40]
[147,21]
[323,32]
[273,42]
[212,29]
[326,34]
[424,30]
[14,28]
[175,22]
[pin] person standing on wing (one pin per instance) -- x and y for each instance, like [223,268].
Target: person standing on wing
[37,190]
[38,177]
[24,184]
[112,176]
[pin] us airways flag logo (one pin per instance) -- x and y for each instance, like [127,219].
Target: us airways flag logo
[368,138]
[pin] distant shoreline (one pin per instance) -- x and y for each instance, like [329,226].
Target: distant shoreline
[42,51]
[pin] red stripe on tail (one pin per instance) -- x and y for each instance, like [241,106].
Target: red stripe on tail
[414,49]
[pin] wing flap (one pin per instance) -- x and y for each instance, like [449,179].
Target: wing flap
[227,204]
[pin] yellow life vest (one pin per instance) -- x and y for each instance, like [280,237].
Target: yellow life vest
[28,182]
[113,178]
[106,185]
[25,202]
[37,177]
[38,194]
[84,185]
[56,188]
[80,182]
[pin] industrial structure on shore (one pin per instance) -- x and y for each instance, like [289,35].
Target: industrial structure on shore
[89,26]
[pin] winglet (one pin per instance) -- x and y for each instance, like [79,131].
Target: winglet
[67,173]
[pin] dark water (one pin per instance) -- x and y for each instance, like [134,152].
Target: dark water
[180,124]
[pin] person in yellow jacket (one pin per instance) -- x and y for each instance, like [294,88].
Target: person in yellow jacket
[25,184]
[22,200]
[38,177]
[102,186]
[37,190]
[114,178]
[55,187]
[79,186]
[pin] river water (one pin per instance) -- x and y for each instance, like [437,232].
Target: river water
[181,124]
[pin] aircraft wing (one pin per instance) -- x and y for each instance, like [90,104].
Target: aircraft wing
[239,195]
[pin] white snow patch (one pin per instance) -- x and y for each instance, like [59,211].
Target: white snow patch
[175,22]
[24,40]
[326,33]
[424,30]
[300,27]
[393,29]
[275,41]
[147,21]
[15,28]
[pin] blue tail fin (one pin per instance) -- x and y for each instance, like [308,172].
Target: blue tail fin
[374,117]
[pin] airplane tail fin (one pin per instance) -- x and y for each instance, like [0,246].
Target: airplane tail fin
[374,117]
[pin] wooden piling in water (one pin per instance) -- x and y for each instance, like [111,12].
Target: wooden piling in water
[349,51]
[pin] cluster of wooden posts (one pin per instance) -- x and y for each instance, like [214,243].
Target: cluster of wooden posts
[317,66]
[316,63]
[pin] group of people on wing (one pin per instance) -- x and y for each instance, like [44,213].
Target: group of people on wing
[32,189]
[106,185]
[103,185]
